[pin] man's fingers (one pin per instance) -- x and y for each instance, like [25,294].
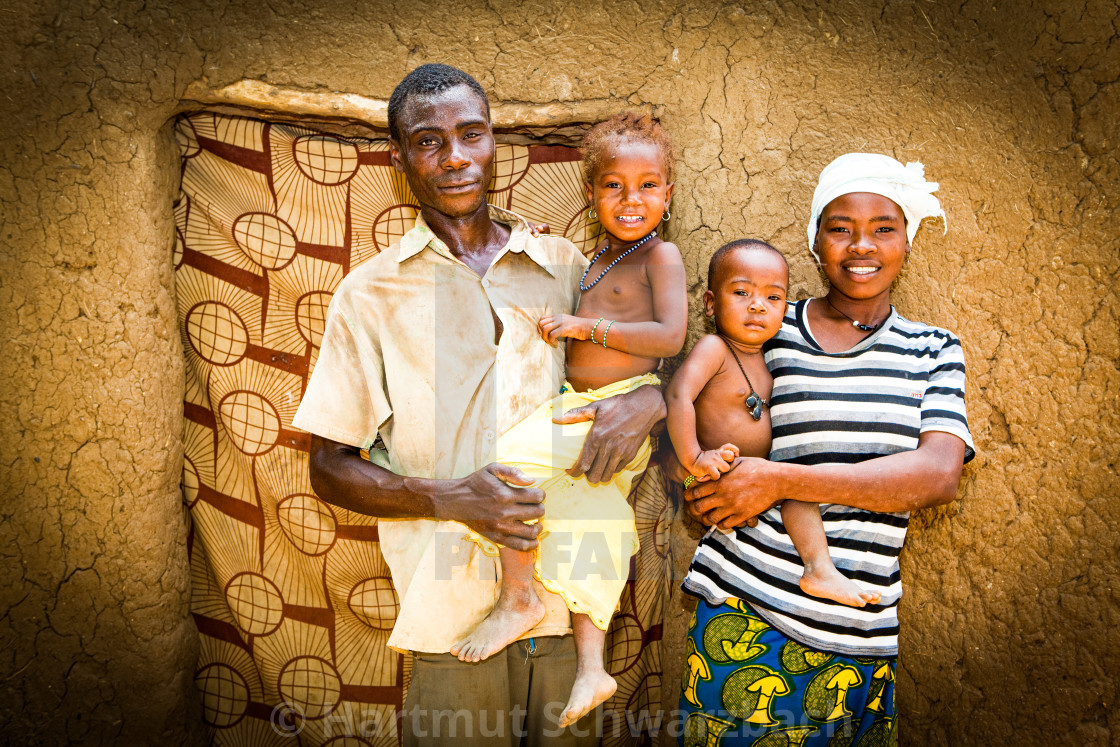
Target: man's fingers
[519,512]
[518,542]
[583,461]
[511,475]
[576,415]
[601,470]
[521,545]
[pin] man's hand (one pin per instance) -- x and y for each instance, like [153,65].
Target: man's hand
[487,502]
[738,496]
[553,327]
[621,425]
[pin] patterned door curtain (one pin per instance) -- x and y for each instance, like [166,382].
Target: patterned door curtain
[292,597]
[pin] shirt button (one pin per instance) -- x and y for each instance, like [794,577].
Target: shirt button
[488,435]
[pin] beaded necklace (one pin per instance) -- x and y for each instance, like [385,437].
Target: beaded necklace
[617,259]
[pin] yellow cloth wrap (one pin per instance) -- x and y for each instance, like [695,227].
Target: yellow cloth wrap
[588,532]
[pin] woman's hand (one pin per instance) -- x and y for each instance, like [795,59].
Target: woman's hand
[748,488]
[553,327]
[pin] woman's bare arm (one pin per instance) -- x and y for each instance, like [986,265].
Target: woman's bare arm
[926,476]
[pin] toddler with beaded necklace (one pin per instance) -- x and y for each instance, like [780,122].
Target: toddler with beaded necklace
[632,312]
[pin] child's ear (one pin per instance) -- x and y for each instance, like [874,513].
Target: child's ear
[709,303]
[590,193]
[669,193]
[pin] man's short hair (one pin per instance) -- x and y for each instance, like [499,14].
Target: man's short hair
[734,246]
[427,80]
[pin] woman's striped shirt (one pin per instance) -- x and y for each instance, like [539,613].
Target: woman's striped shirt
[839,408]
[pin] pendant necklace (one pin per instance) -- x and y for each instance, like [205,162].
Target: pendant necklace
[617,259]
[855,323]
[753,402]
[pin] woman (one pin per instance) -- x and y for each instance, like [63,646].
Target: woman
[869,421]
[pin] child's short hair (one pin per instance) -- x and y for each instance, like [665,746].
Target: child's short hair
[625,126]
[721,254]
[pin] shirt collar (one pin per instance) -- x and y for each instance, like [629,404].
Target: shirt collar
[521,239]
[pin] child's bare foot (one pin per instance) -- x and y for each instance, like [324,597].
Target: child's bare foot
[591,688]
[514,615]
[829,583]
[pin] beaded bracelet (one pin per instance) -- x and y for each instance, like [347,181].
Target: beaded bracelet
[593,329]
[606,330]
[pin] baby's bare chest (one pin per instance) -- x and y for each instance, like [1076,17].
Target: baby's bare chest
[724,416]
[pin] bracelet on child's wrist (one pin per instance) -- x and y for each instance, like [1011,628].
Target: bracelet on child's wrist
[606,330]
[593,326]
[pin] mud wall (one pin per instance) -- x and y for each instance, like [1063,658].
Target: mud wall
[1011,617]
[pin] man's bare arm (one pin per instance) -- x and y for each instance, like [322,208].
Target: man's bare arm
[486,500]
[926,476]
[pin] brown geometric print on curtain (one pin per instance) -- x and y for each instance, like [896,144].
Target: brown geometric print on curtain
[291,595]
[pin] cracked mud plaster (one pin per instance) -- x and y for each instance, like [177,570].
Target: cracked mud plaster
[1011,615]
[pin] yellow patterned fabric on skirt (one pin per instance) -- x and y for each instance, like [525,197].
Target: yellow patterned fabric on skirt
[588,533]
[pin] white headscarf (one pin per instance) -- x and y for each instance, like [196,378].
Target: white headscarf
[906,186]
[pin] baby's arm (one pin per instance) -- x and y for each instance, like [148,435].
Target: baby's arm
[662,337]
[699,367]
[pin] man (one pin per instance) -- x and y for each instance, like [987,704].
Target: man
[433,345]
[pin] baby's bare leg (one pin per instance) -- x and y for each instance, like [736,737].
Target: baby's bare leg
[820,579]
[593,685]
[516,612]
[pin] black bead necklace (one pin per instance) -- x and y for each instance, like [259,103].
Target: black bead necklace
[617,259]
[855,323]
[753,402]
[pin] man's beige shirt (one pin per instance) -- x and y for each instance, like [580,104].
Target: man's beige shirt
[409,352]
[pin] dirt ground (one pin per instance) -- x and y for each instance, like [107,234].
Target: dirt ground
[1011,615]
